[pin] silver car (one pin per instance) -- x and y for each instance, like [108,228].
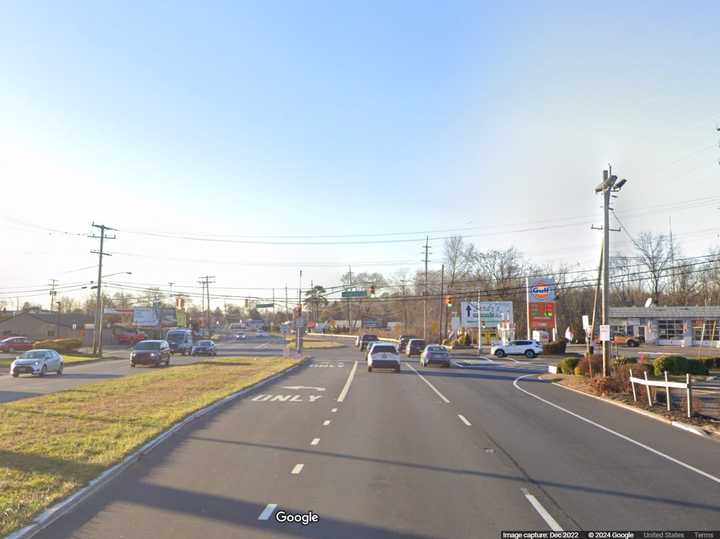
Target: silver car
[435,353]
[37,362]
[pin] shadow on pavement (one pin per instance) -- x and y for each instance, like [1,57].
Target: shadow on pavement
[476,473]
[7,396]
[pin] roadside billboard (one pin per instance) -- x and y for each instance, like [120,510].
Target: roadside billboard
[168,317]
[145,317]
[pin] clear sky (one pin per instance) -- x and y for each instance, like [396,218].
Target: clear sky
[344,118]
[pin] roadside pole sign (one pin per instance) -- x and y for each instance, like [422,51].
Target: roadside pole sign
[586,322]
[354,294]
[604,332]
[264,305]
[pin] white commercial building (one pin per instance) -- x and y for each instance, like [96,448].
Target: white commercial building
[680,326]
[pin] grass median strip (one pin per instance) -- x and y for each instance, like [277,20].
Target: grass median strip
[310,344]
[54,444]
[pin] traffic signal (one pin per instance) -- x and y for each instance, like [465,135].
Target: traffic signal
[247,303]
[448,301]
[372,290]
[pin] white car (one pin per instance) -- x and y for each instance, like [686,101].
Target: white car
[517,348]
[39,362]
[383,356]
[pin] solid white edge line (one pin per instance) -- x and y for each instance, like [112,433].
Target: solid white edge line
[464,420]
[547,517]
[445,400]
[346,388]
[615,433]
[326,423]
[315,441]
[297,469]
[268,511]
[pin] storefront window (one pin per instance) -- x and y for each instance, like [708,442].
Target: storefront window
[711,333]
[670,329]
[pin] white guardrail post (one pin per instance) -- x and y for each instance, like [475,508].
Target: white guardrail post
[667,391]
[667,385]
[689,395]
[632,383]
[647,386]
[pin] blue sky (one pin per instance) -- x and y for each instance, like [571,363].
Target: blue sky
[321,118]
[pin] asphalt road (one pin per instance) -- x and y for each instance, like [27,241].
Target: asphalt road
[76,375]
[460,452]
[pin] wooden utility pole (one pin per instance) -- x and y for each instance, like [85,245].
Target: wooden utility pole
[97,333]
[426,250]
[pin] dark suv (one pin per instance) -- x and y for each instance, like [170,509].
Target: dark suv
[415,347]
[403,342]
[153,353]
[367,339]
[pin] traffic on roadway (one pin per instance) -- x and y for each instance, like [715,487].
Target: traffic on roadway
[332,450]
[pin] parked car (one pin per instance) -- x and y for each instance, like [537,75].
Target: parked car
[130,338]
[38,362]
[415,347]
[180,340]
[240,337]
[435,354]
[151,353]
[15,344]
[518,348]
[367,339]
[625,340]
[204,348]
[403,342]
[383,356]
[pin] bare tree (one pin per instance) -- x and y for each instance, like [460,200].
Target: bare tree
[655,255]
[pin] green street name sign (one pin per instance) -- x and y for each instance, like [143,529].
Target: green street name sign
[355,294]
[265,305]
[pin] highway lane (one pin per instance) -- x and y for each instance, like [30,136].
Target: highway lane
[459,452]
[87,373]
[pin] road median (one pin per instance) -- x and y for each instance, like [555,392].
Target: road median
[51,446]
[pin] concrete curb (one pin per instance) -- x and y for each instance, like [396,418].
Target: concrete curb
[677,424]
[55,512]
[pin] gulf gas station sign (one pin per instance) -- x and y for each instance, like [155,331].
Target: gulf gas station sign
[541,290]
[541,303]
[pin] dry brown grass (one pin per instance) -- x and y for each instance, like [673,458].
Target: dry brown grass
[54,444]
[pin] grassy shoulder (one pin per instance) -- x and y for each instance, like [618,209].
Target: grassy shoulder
[54,444]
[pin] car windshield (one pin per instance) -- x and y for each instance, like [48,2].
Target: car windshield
[35,354]
[148,345]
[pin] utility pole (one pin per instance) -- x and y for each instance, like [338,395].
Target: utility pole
[206,281]
[608,186]
[426,250]
[57,321]
[349,313]
[299,326]
[442,301]
[97,333]
[53,293]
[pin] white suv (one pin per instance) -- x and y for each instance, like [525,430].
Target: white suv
[526,348]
